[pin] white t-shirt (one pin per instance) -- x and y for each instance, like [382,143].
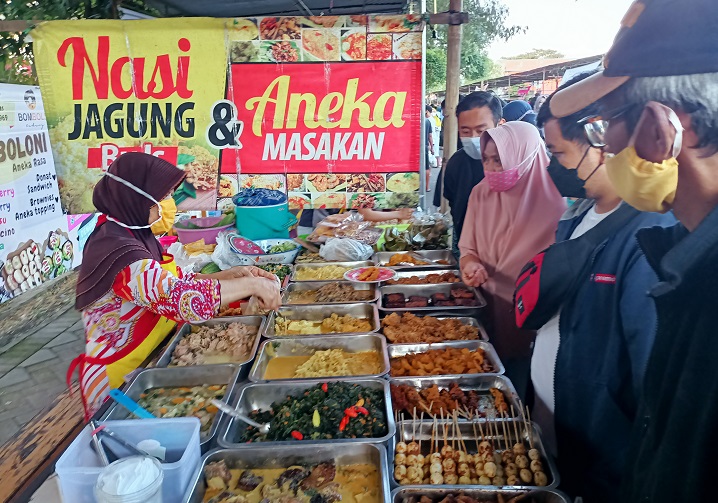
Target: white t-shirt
[543,361]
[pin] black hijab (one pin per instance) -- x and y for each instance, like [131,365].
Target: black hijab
[111,247]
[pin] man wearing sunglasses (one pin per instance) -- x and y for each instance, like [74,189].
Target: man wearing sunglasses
[588,360]
[659,100]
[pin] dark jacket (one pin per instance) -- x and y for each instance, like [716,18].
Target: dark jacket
[674,448]
[606,330]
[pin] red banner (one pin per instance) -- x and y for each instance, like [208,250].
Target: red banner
[342,117]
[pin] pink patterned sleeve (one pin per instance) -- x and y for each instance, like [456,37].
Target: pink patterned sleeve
[185,299]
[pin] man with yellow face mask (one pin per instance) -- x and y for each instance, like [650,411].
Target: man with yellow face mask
[659,99]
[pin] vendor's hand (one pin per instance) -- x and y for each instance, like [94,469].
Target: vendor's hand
[474,274]
[405,213]
[244,272]
[267,292]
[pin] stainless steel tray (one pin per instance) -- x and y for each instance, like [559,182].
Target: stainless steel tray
[318,312]
[408,273]
[254,321]
[382,259]
[467,382]
[428,291]
[540,495]
[262,395]
[465,320]
[316,265]
[308,345]
[313,285]
[178,377]
[259,456]
[396,350]
[423,432]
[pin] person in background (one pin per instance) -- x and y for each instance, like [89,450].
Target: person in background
[429,152]
[519,110]
[130,295]
[588,361]
[540,100]
[476,113]
[532,100]
[659,117]
[436,138]
[512,215]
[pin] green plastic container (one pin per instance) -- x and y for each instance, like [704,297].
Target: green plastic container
[264,222]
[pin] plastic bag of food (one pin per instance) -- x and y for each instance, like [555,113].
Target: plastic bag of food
[187,262]
[345,250]
[223,254]
[259,197]
[397,240]
[429,231]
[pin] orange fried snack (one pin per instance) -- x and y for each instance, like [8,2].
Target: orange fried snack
[411,329]
[441,362]
[369,274]
[405,258]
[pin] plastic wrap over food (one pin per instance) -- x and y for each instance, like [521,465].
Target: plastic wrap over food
[429,231]
[187,262]
[345,250]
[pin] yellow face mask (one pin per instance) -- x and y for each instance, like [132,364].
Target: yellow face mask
[646,185]
[168,212]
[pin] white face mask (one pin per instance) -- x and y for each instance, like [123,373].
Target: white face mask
[142,193]
[472,147]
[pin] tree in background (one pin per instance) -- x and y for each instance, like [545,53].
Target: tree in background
[487,22]
[16,61]
[539,54]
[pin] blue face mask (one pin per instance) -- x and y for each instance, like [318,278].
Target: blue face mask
[472,147]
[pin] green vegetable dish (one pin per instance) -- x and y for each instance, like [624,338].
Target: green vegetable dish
[281,270]
[333,410]
[282,247]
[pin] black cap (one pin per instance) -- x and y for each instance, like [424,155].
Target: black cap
[657,38]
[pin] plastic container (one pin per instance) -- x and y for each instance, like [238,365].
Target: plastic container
[208,233]
[79,467]
[264,222]
[167,241]
[151,493]
[265,258]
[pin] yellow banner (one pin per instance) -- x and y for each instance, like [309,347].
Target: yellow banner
[115,86]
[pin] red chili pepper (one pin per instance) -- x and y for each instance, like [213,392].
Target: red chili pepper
[351,412]
[362,410]
[344,423]
[325,387]
[297,435]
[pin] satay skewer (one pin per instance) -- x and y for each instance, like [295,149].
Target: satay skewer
[507,433]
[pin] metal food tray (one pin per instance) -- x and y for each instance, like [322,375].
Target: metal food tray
[408,273]
[318,312]
[540,495]
[465,320]
[423,432]
[180,377]
[308,345]
[396,350]
[467,382]
[382,259]
[259,456]
[254,321]
[261,396]
[427,291]
[303,286]
[316,265]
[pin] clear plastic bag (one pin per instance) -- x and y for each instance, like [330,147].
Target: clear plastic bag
[345,250]
[223,255]
[187,262]
[429,231]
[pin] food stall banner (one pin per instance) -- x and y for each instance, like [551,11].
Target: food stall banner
[34,244]
[327,109]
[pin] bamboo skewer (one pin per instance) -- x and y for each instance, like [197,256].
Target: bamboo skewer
[528,428]
[516,427]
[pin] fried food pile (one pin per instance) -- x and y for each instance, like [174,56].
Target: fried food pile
[411,329]
[429,279]
[405,258]
[441,362]
[369,274]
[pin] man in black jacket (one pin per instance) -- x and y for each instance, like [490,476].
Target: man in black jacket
[659,99]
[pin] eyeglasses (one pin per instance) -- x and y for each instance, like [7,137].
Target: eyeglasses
[595,126]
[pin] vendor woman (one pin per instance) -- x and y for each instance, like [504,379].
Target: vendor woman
[130,295]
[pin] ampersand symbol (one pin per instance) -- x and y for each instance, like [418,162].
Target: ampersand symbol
[226,129]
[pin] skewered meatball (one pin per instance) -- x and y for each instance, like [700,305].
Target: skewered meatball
[540,479]
[414,474]
[412,448]
[490,469]
[436,479]
[411,460]
[420,459]
[447,451]
[511,469]
[498,481]
[400,473]
[534,454]
[451,478]
[400,459]
[484,480]
[464,480]
[512,480]
[435,457]
[522,461]
[400,447]
[536,466]
[526,476]
[449,466]
[463,469]
[519,448]
[436,468]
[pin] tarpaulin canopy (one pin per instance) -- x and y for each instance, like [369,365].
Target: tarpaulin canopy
[248,8]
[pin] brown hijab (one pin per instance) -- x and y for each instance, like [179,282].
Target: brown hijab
[111,247]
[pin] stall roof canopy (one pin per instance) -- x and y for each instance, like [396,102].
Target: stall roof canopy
[246,8]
